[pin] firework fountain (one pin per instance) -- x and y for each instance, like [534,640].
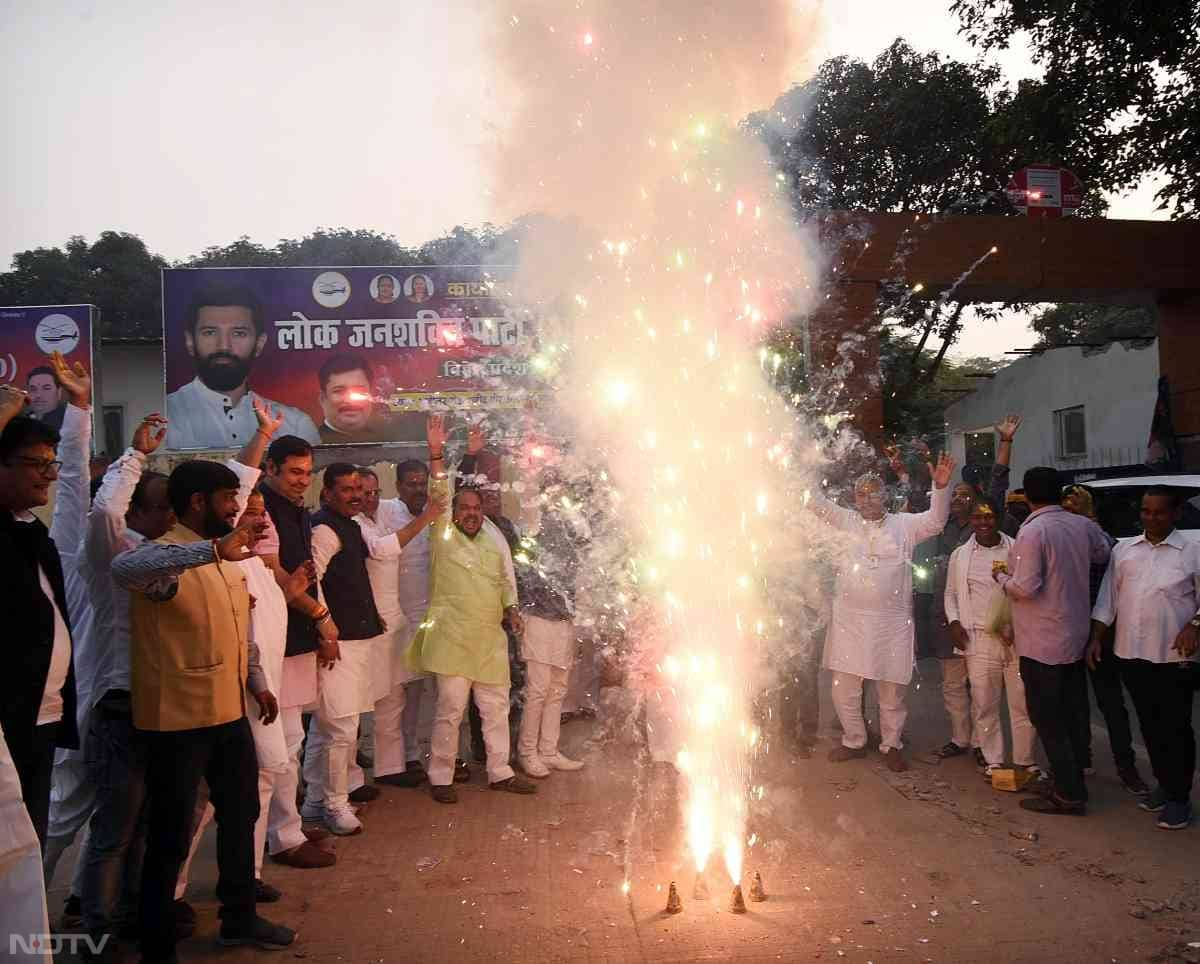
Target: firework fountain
[679,251]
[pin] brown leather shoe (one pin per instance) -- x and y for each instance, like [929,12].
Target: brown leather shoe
[315,832]
[840,753]
[307,856]
[895,761]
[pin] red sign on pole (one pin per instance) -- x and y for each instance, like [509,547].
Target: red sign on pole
[1045,192]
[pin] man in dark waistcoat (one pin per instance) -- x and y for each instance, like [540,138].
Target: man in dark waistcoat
[347,687]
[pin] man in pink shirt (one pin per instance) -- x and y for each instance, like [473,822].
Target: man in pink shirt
[1048,586]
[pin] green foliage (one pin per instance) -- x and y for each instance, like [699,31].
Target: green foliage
[119,274]
[1125,76]
[913,407]
[116,272]
[919,132]
[1093,324]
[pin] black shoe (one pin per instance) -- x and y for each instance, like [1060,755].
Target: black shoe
[841,753]
[949,750]
[446,794]
[514,785]
[185,919]
[409,778]
[1132,781]
[980,759]
[184,912]
[264,893]
[462,772]
[72,914]
[260,932]
[364,794]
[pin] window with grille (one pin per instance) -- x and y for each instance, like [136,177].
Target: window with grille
[1070,432]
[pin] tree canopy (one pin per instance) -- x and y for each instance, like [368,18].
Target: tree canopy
[1092,324]
[918,132]
[1126,75]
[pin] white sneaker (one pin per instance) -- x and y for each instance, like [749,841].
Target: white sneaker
[560,762]
[988,770]
[534,767]
[342,821]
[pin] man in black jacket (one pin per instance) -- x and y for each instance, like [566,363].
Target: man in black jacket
[37,689]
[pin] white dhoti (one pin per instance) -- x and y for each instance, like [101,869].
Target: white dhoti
[345,691]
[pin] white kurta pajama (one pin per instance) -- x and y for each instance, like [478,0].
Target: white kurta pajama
[295,687]
[390,675]
[420,699]
[871,632]
[345,691]
[71,792]
[268,630]
[992,666]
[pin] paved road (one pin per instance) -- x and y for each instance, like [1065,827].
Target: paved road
[860,865]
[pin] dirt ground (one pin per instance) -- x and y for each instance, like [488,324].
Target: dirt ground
[859,864]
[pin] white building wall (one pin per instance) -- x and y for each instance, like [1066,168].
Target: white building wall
[130,376]
[1117,386]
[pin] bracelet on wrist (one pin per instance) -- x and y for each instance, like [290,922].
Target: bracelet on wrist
[435,458]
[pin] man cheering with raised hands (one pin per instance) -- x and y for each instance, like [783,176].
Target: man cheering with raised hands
[462,639]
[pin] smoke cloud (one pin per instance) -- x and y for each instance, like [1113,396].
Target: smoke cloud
[668,253]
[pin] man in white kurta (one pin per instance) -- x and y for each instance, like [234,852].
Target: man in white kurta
[388,531]
[992,666]
[346,688]
[71,792]
[871,632]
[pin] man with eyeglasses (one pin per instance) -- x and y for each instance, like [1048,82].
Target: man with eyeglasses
[37,691]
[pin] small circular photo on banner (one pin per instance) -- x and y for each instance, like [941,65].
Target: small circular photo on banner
[418,288]
[331,289]
[385,288]
[57,333]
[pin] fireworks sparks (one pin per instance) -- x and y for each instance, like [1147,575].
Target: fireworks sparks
[665,323]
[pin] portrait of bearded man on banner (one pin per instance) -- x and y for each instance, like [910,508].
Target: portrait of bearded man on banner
[224,335]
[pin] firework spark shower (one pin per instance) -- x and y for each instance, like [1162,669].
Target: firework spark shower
[678,250]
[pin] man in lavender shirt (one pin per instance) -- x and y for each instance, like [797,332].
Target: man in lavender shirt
[1048,586]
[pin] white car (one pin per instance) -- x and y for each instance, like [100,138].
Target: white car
[1118,502]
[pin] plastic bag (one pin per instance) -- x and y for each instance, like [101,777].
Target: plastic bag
[998,620]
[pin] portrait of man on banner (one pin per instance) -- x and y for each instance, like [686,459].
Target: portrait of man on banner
[225,334]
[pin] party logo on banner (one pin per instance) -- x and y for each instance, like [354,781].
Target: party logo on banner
[28,336]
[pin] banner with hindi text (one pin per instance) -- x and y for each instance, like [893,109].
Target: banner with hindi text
[345,355]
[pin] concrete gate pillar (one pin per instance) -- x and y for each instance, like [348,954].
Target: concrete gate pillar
[844,341]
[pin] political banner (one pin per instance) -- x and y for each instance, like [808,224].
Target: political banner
[346,356]
[28,336]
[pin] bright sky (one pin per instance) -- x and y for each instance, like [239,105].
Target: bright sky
[192,124]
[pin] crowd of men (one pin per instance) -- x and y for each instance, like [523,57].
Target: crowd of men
[201,645]
[1022,596]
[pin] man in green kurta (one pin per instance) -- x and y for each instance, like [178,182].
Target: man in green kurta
[462,639]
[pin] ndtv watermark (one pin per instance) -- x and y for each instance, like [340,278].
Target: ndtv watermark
[41,944]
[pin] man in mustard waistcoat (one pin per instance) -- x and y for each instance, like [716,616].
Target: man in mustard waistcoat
[189,661]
